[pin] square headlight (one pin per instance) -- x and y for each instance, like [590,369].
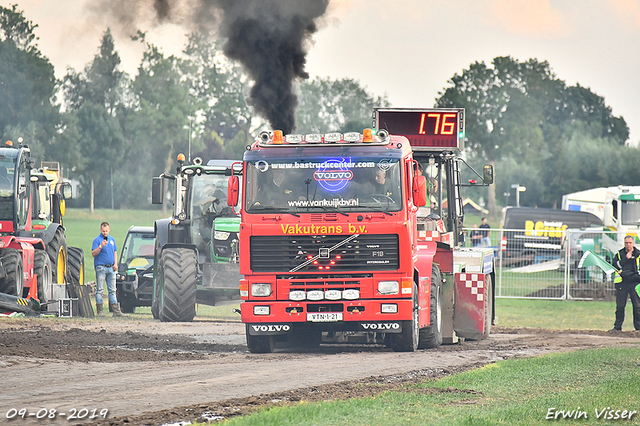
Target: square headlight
[261,289]
[389,308]
[388,287]
[261,310]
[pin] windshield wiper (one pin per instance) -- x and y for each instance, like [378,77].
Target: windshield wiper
[275,209]
[334,209]
[377,209]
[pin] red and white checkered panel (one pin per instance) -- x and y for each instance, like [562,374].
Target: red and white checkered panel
[475,284]
[436,236]
[469,307]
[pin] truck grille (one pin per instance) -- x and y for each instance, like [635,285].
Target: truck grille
[362,253]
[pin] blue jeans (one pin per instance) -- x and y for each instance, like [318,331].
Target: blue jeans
[109,275]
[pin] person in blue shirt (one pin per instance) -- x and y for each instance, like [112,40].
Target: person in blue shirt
[105,262]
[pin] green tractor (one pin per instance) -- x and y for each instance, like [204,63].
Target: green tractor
[196,249]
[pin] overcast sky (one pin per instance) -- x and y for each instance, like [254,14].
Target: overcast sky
[408,49]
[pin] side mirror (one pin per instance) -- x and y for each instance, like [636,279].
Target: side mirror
[487,174]
[420,191]
[157,195]
[67,191]
[233,191]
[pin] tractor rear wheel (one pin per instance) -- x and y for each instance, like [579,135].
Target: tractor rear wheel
[431,336]
[75,265]
[42,268]
[13,281]
[57,251]
[179,268]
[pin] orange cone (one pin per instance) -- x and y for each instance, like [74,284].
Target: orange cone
[33,290]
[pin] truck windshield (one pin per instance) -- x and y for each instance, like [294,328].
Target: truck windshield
[630,212]
[323,185]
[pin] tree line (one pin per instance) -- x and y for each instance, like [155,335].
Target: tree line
[113,132]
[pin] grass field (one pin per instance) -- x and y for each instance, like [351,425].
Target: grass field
[578,386]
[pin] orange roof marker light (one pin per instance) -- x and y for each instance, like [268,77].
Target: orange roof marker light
[277,137]
[9,143]
[181,157]
[367,135]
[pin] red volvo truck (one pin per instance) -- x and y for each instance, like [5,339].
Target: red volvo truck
[343,236]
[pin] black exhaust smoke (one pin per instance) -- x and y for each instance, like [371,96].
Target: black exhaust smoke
[268,37]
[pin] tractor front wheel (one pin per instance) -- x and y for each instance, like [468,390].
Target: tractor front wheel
[13,281]
[42,268]
[179,268]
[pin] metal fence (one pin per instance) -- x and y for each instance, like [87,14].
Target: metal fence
[543,264]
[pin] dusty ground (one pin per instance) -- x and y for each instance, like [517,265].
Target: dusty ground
[150,373]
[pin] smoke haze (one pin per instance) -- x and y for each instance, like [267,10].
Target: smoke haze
[269,38]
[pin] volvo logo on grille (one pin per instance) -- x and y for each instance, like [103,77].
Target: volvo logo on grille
[270,328]
[381,326]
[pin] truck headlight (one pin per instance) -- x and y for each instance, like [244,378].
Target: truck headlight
[389,308]
[261,310]
[261,289]
[388,287]
[221,235]
[297,295]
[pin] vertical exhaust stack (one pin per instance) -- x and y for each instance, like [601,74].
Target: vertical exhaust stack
[269,38]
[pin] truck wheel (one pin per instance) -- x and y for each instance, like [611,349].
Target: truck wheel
[179,268]
[407,340]
[57,251]
[259,344]
[13,281]
[431,336]
[42,268]
[488,305]
[75,265]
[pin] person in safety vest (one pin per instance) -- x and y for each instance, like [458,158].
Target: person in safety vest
[626,278]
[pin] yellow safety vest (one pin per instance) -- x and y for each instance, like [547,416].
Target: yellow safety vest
[617,278]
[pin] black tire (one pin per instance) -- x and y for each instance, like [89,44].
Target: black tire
[42,268]
[75,265]
[57,251]
[13,281]
[259,344]
[431,336]
[488,305]
[127,301]
[178,301]
[407,340]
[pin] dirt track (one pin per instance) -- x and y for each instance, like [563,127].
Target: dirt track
[147,372]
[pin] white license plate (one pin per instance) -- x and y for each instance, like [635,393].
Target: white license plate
[324,316]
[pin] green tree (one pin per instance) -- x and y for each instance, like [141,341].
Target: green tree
[27,84]
[225,120]
[327,105]
[97,96]
[519,111]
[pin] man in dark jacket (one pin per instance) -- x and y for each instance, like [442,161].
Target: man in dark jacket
[627,261]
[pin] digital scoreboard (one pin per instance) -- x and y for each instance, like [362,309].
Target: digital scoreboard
[427,129]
